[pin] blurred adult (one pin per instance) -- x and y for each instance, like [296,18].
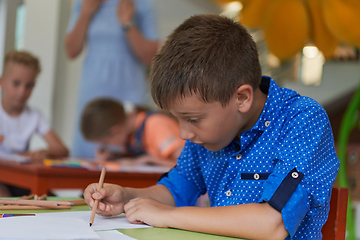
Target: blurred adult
[121,40]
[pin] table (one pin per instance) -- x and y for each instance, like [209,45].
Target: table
[138,233]
[40,178]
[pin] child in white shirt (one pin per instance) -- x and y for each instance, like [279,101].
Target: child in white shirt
[18,122]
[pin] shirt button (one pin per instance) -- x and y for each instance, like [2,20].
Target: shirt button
[256,176]
[239,156]
[295,175]
[228,193]
[267,123]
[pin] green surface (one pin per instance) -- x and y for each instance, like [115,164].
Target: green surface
[138,233]
[167,233]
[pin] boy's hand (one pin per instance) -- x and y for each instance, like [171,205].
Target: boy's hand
[111,198]
[1,138]
[149,211]
[101,155]
[36,156]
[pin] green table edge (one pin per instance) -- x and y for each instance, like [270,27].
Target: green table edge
[137,233]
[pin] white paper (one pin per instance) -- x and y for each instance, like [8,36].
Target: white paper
[113,235]
[45,227]
[100,223]
[14,157]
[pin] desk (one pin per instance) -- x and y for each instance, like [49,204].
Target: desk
[140,233]
[40,179]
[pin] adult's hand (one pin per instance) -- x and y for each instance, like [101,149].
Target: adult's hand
[90,6]
[125,11]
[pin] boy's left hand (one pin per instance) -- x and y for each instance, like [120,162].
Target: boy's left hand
[36,156]
[148,211]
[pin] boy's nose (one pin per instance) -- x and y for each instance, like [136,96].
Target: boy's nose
[185,134]
[22,91]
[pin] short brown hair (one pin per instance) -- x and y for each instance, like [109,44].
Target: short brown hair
[208,54]
[24,58]
[99,116]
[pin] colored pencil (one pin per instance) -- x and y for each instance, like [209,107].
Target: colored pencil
[31,207]
[40,203]
[16,215]
[27,197]
[42,197]
[75,202]
[101,182]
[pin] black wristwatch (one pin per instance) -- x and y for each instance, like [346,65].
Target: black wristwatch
[127,26]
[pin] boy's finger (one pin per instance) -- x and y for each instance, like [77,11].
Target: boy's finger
[129,205]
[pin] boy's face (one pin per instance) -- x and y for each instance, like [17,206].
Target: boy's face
[17,84]
[117,137]
[208,124]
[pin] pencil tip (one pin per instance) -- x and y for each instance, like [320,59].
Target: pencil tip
[90,224]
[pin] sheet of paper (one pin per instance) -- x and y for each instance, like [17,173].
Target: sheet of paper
[113,235]
[45,227]
[100,223]
[14,157]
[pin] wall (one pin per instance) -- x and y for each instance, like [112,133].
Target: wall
[41,38]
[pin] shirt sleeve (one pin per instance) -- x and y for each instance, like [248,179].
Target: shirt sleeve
[162,136]
[306,166]
[185,181]
[43,125]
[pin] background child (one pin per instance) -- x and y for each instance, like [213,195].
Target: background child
[146,137]
[18,122]
[264,154]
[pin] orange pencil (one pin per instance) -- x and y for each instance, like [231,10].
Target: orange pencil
[27,197]
[101,181]
[30,207]
[75,202]
[41,203]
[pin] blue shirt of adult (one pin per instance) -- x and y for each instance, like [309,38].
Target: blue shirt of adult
[286,159]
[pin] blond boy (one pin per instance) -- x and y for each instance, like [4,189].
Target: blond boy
[18,122]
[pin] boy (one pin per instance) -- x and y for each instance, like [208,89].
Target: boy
[264,154]
[145,137]
[18,122]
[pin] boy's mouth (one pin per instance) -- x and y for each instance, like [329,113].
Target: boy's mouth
[201,144]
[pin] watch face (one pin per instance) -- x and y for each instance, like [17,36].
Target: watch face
[127,26]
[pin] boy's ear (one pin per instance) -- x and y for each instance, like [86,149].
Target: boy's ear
[115,129]
[244,97]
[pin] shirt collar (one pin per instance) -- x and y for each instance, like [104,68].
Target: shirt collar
[268,114]
[272,104]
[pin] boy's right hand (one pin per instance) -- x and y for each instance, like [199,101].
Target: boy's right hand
[101,155]
[1,138]
[111,198]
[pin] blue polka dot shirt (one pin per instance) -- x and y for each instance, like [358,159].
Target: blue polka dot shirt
[286,159]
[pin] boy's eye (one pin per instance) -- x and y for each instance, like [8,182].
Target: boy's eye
[16,83]
[193,120]
[29,86]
